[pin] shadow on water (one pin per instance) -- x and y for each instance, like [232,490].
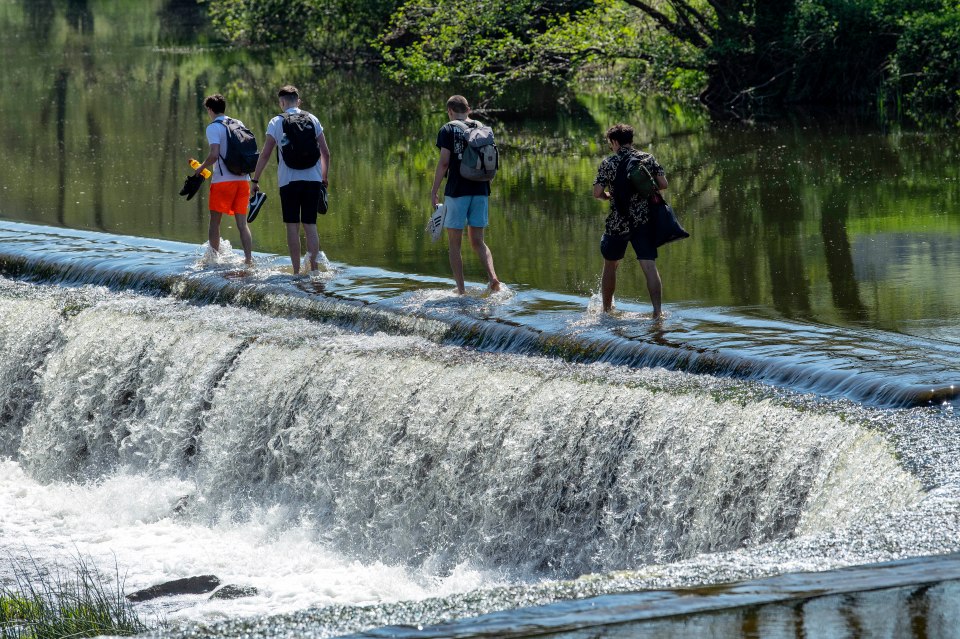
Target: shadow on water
[844,288]
[80,16]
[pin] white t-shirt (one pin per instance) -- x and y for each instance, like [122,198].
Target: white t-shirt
[286,175]
[217,134]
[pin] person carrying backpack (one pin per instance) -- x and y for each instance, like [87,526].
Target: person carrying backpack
[232,155]
[629,219]
[468,160]
[303,163]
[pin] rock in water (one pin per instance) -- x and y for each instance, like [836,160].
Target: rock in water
[185,586]
[232,591]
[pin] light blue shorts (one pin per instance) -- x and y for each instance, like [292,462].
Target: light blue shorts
[469,210]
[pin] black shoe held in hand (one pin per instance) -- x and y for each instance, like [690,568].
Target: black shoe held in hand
[191,185]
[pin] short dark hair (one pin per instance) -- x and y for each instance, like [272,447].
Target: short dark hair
[621,134]
[288,90]
[216,103]
[458,104]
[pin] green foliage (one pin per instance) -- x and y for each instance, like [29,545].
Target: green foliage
[339,30]
[73,603]
[925,68]
[497,42]
[838,50]
[17,608]
[733,53]
[263,21]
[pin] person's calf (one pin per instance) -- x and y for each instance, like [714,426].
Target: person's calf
[608,283]
[654,286]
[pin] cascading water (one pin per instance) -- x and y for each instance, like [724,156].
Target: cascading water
[409,452]
[183,438]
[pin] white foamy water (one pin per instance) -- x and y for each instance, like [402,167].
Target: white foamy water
[127,522]
[327,467]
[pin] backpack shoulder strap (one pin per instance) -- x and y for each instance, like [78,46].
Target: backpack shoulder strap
[222,151]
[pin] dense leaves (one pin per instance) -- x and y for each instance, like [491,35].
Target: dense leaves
[337,30]
[496,41]
[736,54]
[925,68]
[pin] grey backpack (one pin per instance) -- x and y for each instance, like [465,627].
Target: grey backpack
[480,159]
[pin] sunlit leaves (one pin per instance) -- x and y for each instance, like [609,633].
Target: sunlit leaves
[340,30]
[495,42]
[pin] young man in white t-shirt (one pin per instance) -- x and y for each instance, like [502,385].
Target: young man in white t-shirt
[303,185]
[229,192]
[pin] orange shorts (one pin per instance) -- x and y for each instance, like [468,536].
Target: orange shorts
[230,197]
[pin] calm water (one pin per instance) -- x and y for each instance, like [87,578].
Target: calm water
[824,258]
[814,219]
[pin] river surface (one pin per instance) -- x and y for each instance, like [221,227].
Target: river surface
[368,449]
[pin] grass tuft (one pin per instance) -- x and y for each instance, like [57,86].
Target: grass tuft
[65,602]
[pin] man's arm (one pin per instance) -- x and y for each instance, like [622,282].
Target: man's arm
[211,158]
[442,165]
[265,153]
[324,157]
[600,193]
[661,182]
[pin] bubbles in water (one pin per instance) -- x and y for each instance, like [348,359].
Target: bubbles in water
[224,257]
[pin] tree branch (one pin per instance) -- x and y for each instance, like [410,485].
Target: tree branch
[681,30]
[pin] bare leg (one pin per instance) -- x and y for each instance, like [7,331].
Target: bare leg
[483,252]
[213,232]
[293,244]
[313,244]
[654,286]
[455,238]
[608,283]
[246,238]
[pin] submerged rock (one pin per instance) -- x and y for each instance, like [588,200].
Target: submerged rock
[180,508]
[186,586]
[233,591]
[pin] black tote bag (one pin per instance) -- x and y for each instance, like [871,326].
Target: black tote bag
[665,223]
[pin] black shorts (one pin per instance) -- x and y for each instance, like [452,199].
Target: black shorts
[614,247]
[300,201]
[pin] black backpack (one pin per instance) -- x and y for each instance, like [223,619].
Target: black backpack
[242,155]
[299,144]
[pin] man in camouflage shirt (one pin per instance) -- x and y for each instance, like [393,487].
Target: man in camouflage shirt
[632,226]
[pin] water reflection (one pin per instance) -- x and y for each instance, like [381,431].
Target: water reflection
[910,598]
[922,612]
[814,219]
[79,16]
[844,289]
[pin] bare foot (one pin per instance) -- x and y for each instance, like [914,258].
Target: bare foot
[494,286]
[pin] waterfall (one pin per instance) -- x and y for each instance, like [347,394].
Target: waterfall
[873,367]
[403,450]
